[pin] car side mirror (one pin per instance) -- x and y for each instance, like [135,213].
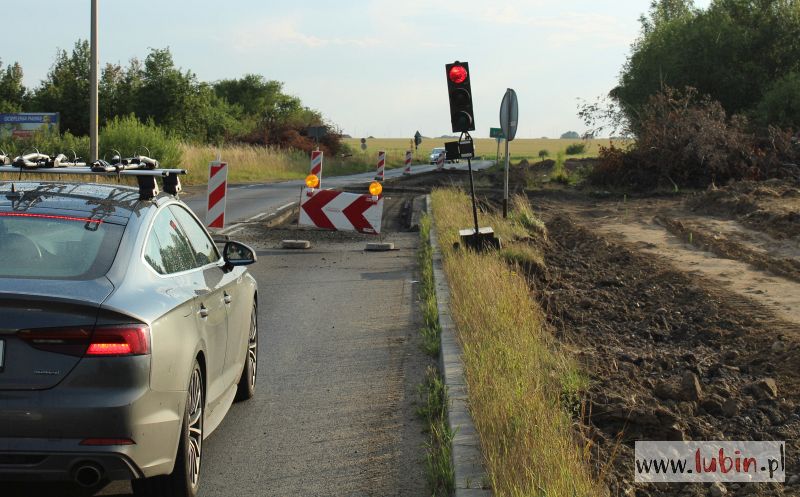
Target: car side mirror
[238,254]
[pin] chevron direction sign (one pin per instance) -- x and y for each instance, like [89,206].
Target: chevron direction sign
[339,211]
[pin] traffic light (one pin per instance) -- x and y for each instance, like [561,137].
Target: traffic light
[460,93]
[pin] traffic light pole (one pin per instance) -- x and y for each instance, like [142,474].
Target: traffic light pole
[472,190]
[471,186]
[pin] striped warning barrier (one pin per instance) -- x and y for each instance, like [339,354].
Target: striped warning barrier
[316,165]
[217,191]
[381,166]
[332,210]
[440,162]
[407,170]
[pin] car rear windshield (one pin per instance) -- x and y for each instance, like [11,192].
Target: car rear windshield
[56,247]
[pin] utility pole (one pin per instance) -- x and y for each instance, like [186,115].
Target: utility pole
[93,89]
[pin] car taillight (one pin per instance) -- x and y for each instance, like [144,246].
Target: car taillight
[121,340]
[131,339]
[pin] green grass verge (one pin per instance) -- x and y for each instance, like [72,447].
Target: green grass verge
[433,392]
[439,447]
[523,386]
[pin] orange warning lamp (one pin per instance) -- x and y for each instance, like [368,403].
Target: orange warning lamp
[312,181]
[375,188]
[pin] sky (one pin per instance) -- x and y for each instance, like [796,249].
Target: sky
[371,67]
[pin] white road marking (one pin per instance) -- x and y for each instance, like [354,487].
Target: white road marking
[256,217]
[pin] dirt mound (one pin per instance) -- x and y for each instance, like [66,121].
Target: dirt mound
[771,206]
[670,358]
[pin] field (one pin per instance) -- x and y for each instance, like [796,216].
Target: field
[527,148]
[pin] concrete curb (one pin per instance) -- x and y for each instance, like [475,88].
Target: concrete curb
[470,474]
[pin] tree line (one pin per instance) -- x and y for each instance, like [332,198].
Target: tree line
[249,109]
[744,54]
[711,95]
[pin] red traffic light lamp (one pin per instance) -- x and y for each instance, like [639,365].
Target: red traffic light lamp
[458,74]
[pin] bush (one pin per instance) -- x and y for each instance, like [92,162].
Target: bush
[48,143]
[129,136]
[576,149]
[685,140]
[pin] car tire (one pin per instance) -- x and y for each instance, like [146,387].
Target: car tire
[184,481]
[246,388]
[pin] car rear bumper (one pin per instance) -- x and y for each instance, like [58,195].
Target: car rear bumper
[41,431]
[50,465]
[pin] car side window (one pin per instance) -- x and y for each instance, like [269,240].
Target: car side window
[168,250]
[205,250]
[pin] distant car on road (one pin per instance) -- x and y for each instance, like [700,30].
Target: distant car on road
[435,155]
[125,336]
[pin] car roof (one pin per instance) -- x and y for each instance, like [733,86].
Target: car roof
[109,202]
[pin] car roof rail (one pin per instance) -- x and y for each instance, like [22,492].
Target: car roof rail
[145,169]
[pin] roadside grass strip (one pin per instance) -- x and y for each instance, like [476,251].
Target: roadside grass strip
[522,387]
[433,392]
[439,447]
[431,332]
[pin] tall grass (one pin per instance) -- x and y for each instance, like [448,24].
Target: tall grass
[516,374]
[247,163]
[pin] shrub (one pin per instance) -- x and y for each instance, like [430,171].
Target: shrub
[48,143]
[543,154]
[685,140]
[130,136]
[576,149]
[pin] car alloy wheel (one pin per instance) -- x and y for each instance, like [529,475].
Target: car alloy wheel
[246,388]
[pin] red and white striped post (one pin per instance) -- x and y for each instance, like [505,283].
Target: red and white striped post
[381,166]
[217,191]
[407,170]
[316,165]
[440,161]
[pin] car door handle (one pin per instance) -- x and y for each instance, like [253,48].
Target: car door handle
[203,311]
[227,298]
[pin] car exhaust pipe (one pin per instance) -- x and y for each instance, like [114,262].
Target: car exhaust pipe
[88,475]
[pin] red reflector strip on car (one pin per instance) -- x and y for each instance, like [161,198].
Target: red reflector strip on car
[49,216]
[98,442]
[126,340]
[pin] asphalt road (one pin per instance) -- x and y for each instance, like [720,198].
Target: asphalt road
[249,202]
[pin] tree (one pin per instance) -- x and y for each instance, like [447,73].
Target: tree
[732,51]
[543,154]
[13,93]
[781,103]
[66,89]
[571,135]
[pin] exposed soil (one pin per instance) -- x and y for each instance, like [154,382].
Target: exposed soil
[671,357]
[771,206]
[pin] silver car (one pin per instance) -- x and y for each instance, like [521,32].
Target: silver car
[125,336]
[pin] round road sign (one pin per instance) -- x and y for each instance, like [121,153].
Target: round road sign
[509,114]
